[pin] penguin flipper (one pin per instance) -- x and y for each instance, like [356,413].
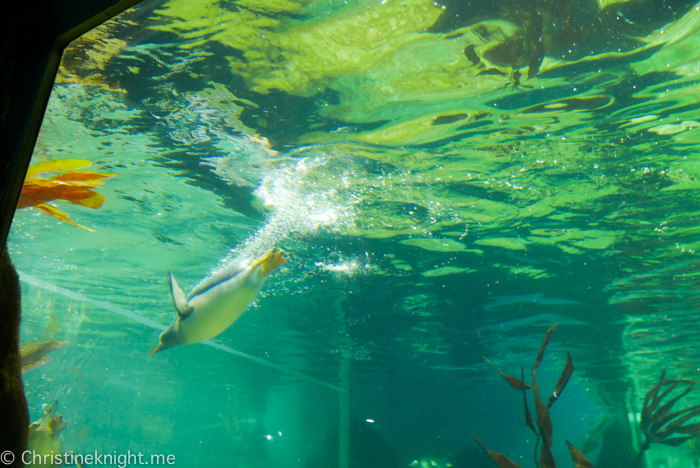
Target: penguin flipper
[179,300]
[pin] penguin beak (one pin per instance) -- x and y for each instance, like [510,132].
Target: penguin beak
[156,349]
[271,261]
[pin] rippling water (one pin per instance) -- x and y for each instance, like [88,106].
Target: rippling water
[448,180]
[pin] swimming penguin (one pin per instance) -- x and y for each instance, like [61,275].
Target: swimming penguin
[213,305]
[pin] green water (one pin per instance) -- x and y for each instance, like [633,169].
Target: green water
[448,181]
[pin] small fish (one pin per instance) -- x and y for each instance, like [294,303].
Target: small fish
[35,354]
[213,305]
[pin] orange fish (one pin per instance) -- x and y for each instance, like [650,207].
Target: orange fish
[71,185]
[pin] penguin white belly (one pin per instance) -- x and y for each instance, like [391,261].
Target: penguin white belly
[215,311]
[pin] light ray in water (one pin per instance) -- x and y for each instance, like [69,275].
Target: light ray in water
[34,281]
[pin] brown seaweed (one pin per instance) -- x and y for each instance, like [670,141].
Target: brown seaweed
[580,460]
[541,424]
[545,342]
[70,185]
[528,415]
[660,426]
[36,354]
[501,460]
[563,379]
[515,383]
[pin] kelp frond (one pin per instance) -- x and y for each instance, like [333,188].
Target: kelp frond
[658,424]
[541,424]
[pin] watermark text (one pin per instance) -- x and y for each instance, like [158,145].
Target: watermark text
[121,460]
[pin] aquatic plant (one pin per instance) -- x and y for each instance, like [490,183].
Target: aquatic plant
[35,354]
[70,185]
[44,435]
[658,425]
[541,424]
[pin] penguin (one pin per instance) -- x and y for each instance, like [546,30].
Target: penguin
[213,305]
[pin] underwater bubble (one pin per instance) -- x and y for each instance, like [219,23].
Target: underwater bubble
[303,195]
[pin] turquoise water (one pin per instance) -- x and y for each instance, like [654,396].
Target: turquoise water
[447,180]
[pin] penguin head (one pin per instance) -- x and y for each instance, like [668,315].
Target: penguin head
[167,339]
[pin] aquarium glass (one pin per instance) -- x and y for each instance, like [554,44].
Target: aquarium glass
[447,181]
